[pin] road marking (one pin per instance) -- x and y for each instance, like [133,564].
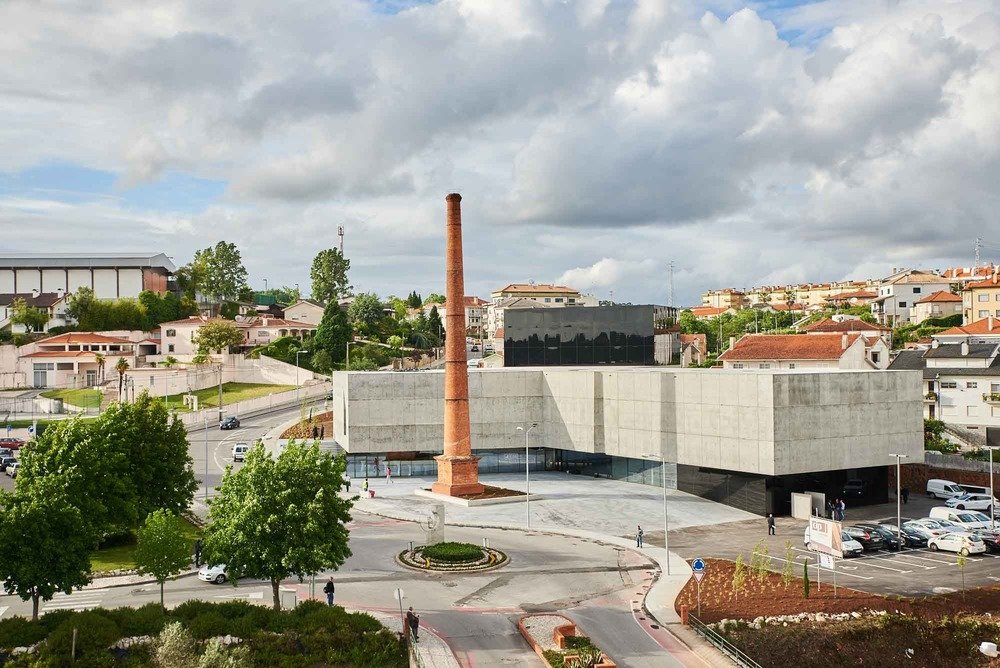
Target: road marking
[839,567]
[4,609]
[78,600]
[936,561]
[254,595]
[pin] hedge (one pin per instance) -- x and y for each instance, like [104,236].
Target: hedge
[453,552]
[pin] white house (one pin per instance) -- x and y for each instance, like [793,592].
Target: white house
[305,310]
[940,304]
[53,303]
[986,330]
[898,293]
[177,337]
[807,351]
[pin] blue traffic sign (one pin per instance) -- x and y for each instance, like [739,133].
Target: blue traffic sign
[697,565]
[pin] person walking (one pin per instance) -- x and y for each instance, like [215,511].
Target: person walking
[329,590]
[829,509]
[364,486]
[388,473]
[770,524]
[841,507]
[376,466]
[905,492]
[347,484]
[322,432]
[413,622]
[197,553]
[638,536]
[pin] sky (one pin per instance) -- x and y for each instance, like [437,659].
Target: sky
[593,141]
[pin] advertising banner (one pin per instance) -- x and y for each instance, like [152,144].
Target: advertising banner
[825,536]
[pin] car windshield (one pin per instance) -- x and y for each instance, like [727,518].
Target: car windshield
[968,517]
[946,523]
[980,517]
[930,524]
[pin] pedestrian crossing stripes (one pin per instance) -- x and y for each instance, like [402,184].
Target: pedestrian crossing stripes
[78,600]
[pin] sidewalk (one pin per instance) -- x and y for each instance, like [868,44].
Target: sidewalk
[432,650]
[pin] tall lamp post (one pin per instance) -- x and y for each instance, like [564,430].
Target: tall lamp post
[527,480]
[347,364]
[297,353]
[899,512]
[993,509]
[666,524]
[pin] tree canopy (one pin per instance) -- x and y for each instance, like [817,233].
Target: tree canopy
[274,518]
[329,276]
[366,310]
[435,298]
[144,313]
[414,300]
[286,295]
[332,335]
[218,271]
[218,336]
[161,549]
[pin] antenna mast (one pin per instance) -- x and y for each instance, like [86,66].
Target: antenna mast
[340,233]
[670,284]
[979,245]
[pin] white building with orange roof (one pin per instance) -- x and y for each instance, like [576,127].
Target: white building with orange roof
[940,304]
[805,351]
[178,337]
[899,292]
[986,330]
[75,359]
[531,295]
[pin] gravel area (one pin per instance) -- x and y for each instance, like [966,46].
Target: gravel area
[541,627]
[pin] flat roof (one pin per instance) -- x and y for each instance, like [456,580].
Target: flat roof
[85,260]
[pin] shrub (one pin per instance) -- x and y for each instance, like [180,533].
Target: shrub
[216,655]
[453,552]
[95,634]
[20,632]
[739,575]
[208,625]
[175,648]
[805,578]
[145,621]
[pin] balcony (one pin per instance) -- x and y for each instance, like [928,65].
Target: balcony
[931,397]
[992,398]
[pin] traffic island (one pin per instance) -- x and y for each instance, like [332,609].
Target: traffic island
[559,643]
[452,558]
[488,497]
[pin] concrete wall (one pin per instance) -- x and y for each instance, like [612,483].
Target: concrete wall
[756,422]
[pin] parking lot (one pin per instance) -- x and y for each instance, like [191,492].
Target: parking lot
[912,572]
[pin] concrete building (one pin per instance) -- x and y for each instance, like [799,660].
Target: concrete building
[747,438]
[475,314]
[727,298]
[530,295]
[981,299]
[940,304]
[807,351]
[898,292]
[109,275]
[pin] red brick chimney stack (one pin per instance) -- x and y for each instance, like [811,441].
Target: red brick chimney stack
[458,470]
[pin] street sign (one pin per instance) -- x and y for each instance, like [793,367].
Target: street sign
[398,595]
[826,561]
[698,566]
[698,575]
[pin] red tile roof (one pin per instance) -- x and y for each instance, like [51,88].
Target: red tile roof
[779,306]
[80,337]
[475,301]
[538,288]
[828,326]
[789,347]
[708,311]
[991,282]
[499,333]
[279,322]
[699,340]
[963,272]
[858,294]
[198,321]
[940,296]
[984,326]
[60,353]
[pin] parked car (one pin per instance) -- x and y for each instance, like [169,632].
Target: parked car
[927,528]
[6,452]
[12,469]
[231,422]
[967,519]
[240,452]
[474,349]
[849,547]
[871,541]
[888,535]
[963,543]
[853,488]
[972,502]
[943,489]
[11,442]
[216,573]
[7,461]
[911,537]
[990,539]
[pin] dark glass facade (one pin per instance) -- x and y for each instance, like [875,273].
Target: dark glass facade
[571,335]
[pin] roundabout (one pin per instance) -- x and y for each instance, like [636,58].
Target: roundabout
[452,558]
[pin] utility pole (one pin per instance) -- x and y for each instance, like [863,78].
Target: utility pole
[670,284]
[220,392]
[979,245]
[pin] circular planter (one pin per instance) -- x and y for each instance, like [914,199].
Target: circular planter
[489,559]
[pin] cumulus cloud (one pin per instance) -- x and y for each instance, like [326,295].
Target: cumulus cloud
[592,140]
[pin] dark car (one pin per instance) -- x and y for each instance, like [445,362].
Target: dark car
[11,442]
[230,422]
[869,540]
[910,538]
[474,349]
[888,535]
[854,489]
[990,539]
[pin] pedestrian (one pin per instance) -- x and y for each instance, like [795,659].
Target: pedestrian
[841,506]
[829,509]
[197,553]
[322,432]
[638,536]
[388,473]
[315,432]
[329,590]
[770,524]
[364,486]
[413,622]
[347,484]
[376,466]
[906,494]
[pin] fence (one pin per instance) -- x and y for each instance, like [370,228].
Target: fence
[721,644]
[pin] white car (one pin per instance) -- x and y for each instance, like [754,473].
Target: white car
[848,546]
[216,573]
[963,543]
[12,469]
[972,502]
[240,451]
[930,528]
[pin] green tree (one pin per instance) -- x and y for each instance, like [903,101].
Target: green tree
[365,310]
[99,358]
[221,271]
[414,300]
[329,276]
[434,324]
[121,367]
[78,304]
[286,295]
[33,319]
[435,298]
[218,336]
[395,342]
[333,333]
[274,518]
[162,550]
[321,362]
[45,544]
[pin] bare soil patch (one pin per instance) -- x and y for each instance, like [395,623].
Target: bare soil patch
[304,429]
[490,492]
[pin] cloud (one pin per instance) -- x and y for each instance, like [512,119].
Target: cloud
[606,272]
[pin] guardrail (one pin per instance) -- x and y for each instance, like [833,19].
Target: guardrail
[721,644]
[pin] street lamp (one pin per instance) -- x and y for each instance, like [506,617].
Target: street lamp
[899,523]
[527,481]
[297,353]
[347,364]
[993,509]
[666,524]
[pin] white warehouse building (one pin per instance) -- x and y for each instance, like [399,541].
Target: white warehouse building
[109,275]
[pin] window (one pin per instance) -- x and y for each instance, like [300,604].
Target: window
[902,304]
[171,332]
[983,297]
[765,365]
[994,388]
[64,366]
[984,314]
[559,300]
[737,365]
[875,356]
[948,385]
[170,348]
[971,385]
[916,291]
[791,365]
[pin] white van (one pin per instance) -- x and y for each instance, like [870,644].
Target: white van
[240,452]
[473,363]
[967,519]
[943,489]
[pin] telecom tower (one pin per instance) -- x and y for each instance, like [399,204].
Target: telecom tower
[670,284]
[340,233]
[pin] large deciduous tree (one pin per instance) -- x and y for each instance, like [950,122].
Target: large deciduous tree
[218,336]
[366,310]
[332,335]
[162,550]
[274,518]
[33,319]
[45,543]
[329,276]
[218,271]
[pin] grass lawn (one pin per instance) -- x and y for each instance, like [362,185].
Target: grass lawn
[122,556]
[231,393]
[82,398]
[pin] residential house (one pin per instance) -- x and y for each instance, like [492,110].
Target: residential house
[694,349]
[305,310]
[854,298]
[708,312]
[809,294]
[54,304]
[986,330]
[940,304]
[981,299]
[109,275]
[961,276]
[475,311]
[71,360]
[799,351]
[898,292]
[178,336]
[961,382]
[527,295]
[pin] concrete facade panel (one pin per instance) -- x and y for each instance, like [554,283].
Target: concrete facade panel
[78,278]
[28,280]
[7,280]
[105,283]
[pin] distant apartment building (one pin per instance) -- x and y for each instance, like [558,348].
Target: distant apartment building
[981,299]
[178,337]
[986,330]
[727,298]
[899,292]
[807,294]
[475,315]
[960,276]
[109,275]
[940,304]
[530,295]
